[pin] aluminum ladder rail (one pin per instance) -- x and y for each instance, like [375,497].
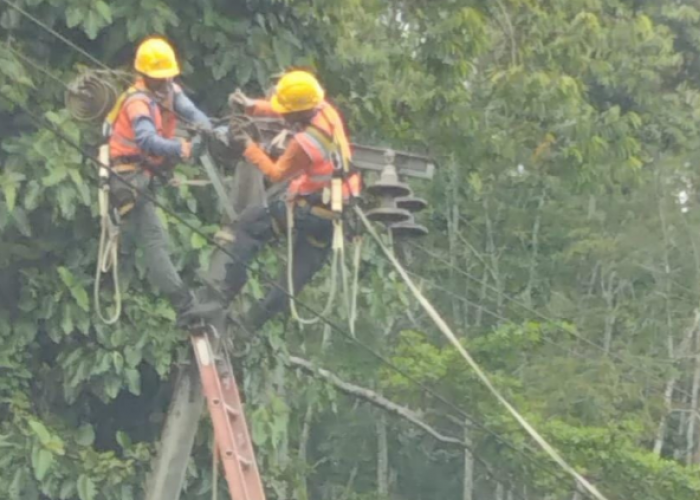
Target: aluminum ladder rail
[233,444]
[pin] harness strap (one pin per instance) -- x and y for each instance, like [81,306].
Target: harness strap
[317,209]
[112,117]
[126,167]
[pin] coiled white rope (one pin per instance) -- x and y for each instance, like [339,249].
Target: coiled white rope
[107,259]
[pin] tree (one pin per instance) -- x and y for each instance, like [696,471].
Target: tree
[560,248]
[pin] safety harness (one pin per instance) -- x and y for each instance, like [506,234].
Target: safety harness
[332,196]
[108,249]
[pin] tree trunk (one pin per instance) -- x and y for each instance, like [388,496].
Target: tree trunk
[670,385]
[303,445]
[493,254]
[382,457]
[693,415]
[661,430]
[482,298]
[533,258]
[453,229]
[468,484]
[500,492]
[610,311]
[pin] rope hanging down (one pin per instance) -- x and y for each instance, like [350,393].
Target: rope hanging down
[108,250]
[337,261]
[337,252]
[349,336]
[447,331]
[41,122]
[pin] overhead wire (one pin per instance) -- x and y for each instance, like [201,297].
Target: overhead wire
[38,67]
[529,309]
[502,317]
[694,293]
[181,220]
[447,331]
[438,397]
[185,223]
[635,367]
[120,74]
[432,284]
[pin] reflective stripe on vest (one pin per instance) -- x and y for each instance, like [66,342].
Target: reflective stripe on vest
[322,139]
[122,141]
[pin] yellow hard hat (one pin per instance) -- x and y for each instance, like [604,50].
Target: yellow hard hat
[155,58]
[297,91]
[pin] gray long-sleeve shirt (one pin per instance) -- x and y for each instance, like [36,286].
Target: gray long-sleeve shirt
[146,134]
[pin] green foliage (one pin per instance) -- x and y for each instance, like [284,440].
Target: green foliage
[564,133]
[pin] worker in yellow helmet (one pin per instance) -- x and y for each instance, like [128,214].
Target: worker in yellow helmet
[142,144]
[318,144]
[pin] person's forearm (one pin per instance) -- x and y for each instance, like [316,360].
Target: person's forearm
[186,110]
[151,143]
[262,109]
[293,161]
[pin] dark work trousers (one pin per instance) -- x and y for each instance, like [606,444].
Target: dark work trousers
[141,226]
[256,227]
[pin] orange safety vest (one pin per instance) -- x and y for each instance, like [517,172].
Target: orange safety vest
[325,136]
[122,142]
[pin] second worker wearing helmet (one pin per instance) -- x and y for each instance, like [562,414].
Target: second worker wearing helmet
[308,163]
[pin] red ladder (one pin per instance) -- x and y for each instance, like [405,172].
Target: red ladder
[233,443]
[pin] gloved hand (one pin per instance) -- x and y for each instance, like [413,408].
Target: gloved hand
[197,147]
[238,97]
[185,149]
[241,138]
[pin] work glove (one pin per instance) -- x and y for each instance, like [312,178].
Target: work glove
[238,97]
[241,139]
[197,147]
[185,149]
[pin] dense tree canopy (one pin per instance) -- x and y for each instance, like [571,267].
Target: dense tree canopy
[563,249]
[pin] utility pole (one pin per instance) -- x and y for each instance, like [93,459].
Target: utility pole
[177,438]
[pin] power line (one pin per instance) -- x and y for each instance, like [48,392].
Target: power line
[183,222]
[325,320]
[488,311]
[450,335]
[526,307]
[432,284]
[89,56]
[695,293]
[42,123]
[630,364]
[35,65]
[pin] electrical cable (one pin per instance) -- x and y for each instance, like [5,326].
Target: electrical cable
[554,454]
[529,309]
[438,397]
[92,58]
[127,80]
[268,280]
[325,320]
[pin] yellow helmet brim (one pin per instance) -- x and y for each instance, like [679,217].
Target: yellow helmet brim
[277,106]
[280,108]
